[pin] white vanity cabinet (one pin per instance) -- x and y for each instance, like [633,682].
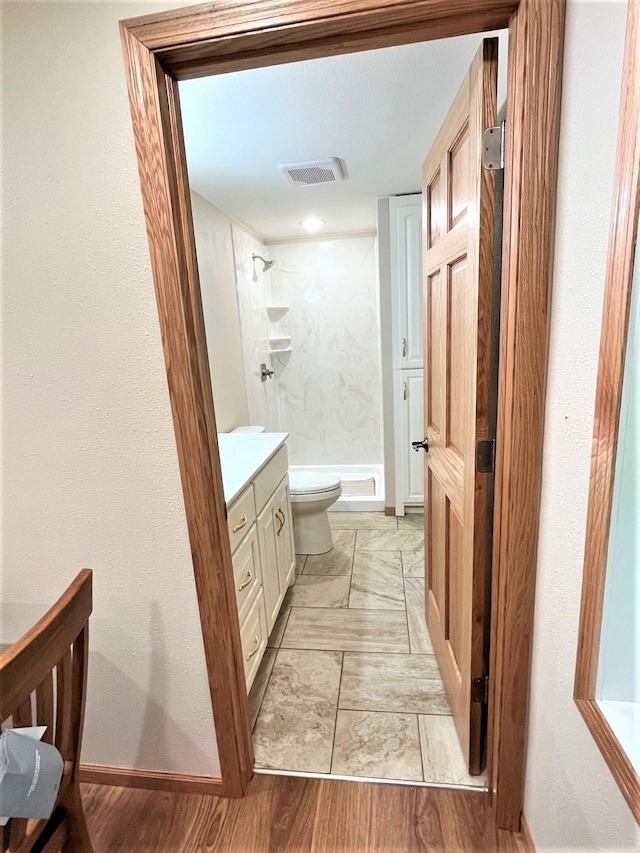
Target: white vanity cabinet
[263,554]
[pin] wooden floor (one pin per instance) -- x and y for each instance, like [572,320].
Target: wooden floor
[292,814]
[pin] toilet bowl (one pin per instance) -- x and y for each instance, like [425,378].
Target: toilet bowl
[311,496]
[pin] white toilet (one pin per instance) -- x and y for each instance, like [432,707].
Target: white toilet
[311,496]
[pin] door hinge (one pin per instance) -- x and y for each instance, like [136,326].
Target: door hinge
[480,690]
[486,456]
[493,147]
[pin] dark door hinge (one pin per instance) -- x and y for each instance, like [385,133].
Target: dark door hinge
[480,690]
[486,456]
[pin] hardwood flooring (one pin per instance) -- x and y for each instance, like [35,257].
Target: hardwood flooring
[290,815]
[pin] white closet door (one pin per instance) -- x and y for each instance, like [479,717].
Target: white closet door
[409,464]
[405,214]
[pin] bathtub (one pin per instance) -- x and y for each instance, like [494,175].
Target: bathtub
[355,503]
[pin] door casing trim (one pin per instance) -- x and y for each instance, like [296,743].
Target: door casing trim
[232,35]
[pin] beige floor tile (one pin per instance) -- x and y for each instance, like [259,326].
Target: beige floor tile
[320,591]
[376,582]
[411,521]
[275,637]
[346,630]
[338,561]
[401,683]
[301,559]
[259,686]
[442,757]
[362,521]
[389,540]
[382,746]
[413,563]
[296,723]
[418,632]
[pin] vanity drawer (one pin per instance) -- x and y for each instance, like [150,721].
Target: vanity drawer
[240,517]
[270,477]
[246,571]
[253,636]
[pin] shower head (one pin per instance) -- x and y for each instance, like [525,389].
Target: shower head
[266,265]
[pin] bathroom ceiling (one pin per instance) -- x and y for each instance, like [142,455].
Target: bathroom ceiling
[377,111]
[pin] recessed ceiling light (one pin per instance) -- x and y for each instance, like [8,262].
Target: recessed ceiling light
[312,224]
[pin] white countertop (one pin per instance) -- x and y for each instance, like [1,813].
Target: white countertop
[242,455]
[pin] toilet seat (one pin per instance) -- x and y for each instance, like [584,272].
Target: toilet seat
[305,483]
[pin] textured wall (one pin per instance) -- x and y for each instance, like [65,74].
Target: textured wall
[89,465]
[572,802]
[220,307]
[330,388]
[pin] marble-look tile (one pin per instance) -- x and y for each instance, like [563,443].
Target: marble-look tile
[338,561]
[381,746]
[346,630]
[362,521]
[295,727]
[442,757]
[376,583]
[320,591]
[275,637]
[329,386]
[413,563]
[259,686]
[411,521]
[402,683]
[301,559]
[418,632]
[389,540]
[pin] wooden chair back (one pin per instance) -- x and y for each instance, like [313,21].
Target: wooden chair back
[43,678]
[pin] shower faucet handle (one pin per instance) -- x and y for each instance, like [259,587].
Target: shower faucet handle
[265,373]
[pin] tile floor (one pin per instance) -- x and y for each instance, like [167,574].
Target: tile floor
[349,684]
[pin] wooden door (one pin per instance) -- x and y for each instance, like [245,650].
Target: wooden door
[457,278]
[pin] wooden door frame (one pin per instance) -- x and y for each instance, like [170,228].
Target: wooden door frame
[160,50]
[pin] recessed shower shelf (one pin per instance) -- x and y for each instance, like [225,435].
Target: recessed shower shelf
[276,312]
[278,344]
[281,351]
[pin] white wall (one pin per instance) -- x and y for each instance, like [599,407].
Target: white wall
[571,801]
[216,267]
[89,464]
[330,387]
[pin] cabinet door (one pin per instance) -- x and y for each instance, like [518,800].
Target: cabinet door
[268,539]
[409,464]
[405,214]
[286,549]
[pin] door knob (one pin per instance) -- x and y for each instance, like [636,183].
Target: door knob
[424,444]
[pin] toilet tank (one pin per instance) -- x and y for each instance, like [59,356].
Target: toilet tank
[248,429]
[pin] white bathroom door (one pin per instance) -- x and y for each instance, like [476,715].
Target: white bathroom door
[457,272]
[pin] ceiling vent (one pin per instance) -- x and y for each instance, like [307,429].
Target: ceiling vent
[313,172]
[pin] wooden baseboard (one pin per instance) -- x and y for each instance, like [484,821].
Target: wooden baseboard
[389,510]
[122,777]
[526,834]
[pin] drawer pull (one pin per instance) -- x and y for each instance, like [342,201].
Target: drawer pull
[246,582]
[242,523]
[403,347]
[256,646]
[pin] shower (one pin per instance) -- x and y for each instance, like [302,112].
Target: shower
[266,264]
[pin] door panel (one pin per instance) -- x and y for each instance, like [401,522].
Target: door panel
[268,524]
[457,270]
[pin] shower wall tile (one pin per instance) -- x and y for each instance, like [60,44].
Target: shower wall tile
[329,387]
[253,298]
